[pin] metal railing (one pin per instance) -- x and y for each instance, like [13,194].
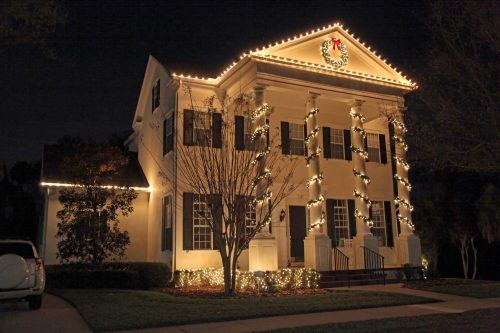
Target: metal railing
[374,264]
[341,264]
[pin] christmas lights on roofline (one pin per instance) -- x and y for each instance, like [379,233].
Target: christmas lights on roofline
[258,51]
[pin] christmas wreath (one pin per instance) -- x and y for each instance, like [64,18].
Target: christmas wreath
[334,43]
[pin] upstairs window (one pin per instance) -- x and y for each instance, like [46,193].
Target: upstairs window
[373,147]
[243,133]
[202,129]
[155,96]
[296,137]
[337,143]
[168,134]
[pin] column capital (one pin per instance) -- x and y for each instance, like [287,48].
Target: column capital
[356,103]
[259,88]
[312,96]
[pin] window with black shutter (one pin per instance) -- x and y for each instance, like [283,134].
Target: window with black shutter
[351,205]
[347,145]
[166,239]
[187,221]
[168,135]
[383,149]
[285,139]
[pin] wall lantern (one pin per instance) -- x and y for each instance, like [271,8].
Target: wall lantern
[282,215]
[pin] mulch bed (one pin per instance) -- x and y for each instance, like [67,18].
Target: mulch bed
[218,292]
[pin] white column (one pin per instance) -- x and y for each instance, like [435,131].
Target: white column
[263,250]
[408,244]
[363,237]
[317,245]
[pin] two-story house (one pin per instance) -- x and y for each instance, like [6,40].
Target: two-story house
[324,81]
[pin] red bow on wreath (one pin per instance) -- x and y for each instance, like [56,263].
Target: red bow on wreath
[335,43]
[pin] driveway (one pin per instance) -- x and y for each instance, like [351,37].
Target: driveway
[56,315]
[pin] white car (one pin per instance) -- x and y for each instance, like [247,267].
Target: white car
[22,275]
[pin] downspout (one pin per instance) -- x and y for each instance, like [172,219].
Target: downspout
[174,196]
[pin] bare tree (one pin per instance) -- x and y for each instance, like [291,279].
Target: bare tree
[229,177]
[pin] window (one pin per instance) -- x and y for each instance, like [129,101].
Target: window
[373,147]
[155,96]
[202,129]
[341,218]
[296,137]
[202,218]
[248,131]
[168,139]
[166,236]
[250,219]
[378,218]
[337,143]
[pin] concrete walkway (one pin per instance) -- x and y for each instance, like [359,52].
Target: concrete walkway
[449,304]
[55,315]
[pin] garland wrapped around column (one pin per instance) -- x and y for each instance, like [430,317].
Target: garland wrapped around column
[360,155]
[315,203]
[401,176]
[259,138]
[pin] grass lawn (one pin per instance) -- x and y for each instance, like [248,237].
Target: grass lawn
[477,321]
[127,309]
[477,289]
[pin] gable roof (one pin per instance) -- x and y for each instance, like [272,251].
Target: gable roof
[304,51]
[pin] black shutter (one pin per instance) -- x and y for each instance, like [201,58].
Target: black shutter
[268,133]
[216,130]
[187,221]
[164,137]
[285,138]
[352,219]
[330,220]
[305,136]
[388,223]
[383,149]
[188,127]
[327,148]
[392,146]
[153,98]
[216,201]
[170,145]
[157,93]
[239,132]
[365,143]
[347,145]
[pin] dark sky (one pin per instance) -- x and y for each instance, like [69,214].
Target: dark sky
[91,87]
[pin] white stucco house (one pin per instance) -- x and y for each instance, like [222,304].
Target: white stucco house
[364,190]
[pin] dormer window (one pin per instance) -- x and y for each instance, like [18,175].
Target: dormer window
[155,96]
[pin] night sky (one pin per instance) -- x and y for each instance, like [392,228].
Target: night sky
[91,87]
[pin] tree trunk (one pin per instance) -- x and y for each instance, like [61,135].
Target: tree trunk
[464,252]
[474,249]
[226,263]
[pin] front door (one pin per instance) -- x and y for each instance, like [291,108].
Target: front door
[297,231]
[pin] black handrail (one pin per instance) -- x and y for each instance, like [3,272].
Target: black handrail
[374,264]
[341,264]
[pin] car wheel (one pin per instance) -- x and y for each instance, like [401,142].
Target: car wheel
[35,302]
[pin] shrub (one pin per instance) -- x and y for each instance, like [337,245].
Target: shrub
[117,275]
[289,278]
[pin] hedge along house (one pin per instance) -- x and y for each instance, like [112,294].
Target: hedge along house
[330,96]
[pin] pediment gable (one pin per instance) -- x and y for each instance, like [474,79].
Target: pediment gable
[307,50]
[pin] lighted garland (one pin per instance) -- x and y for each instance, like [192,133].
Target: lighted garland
[400,125]
[259,131]
[404,202]
[262,110]
[260,155]
[360,151]
[265,174]
[282,279]
[311,135]
[325,51]
[311,113]
[401,141]
[403,181]
[401,161]
[313,155]
[317,178]
[363,197]
[355,114]
[314,202]
[261,198]
[359,130]
[361,175]
[406,220]
[320,221]
[364,218]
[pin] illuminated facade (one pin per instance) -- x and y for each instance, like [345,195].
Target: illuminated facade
[337,104]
